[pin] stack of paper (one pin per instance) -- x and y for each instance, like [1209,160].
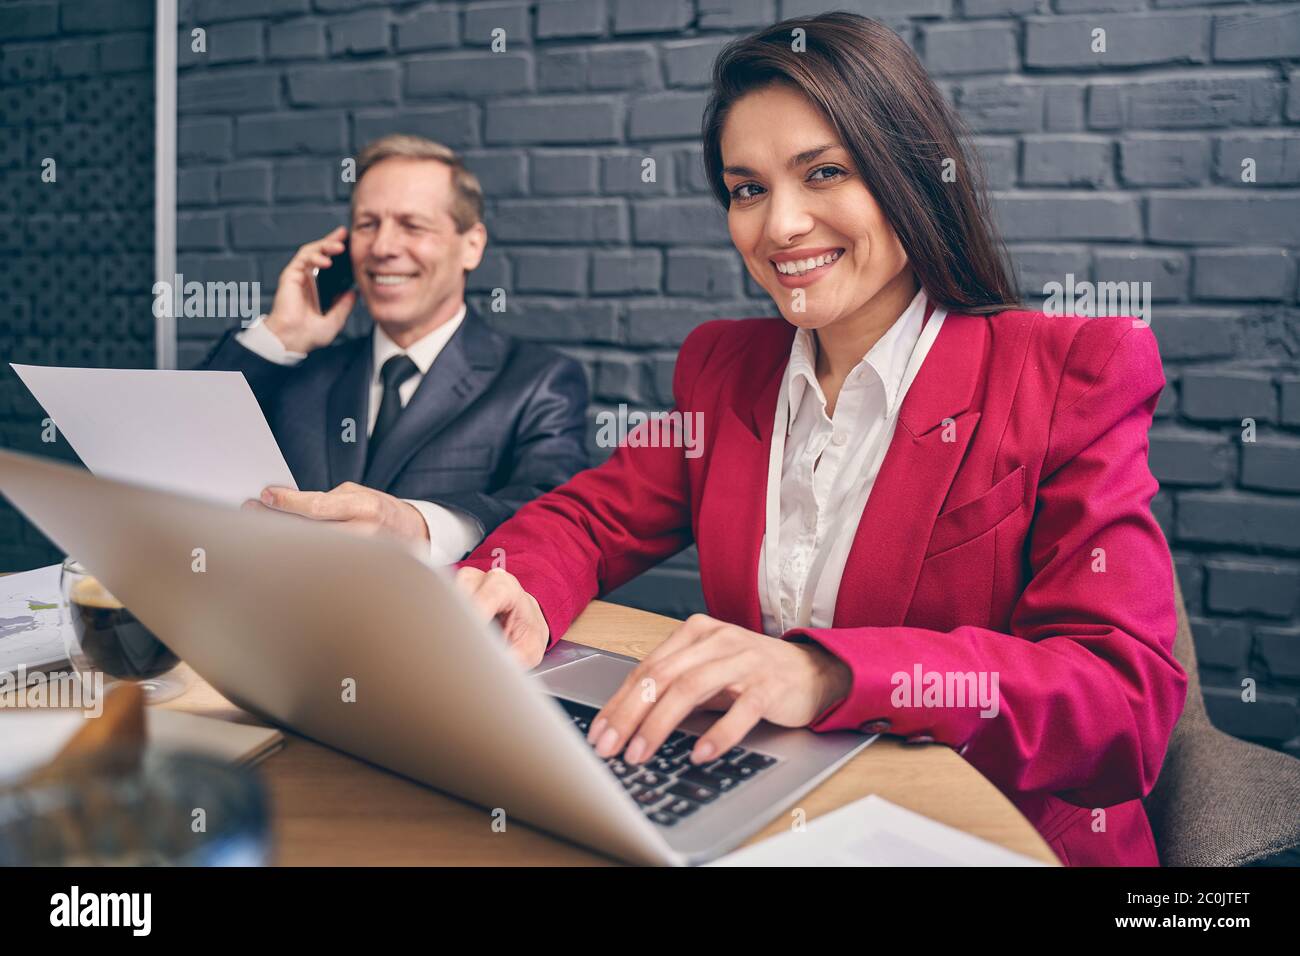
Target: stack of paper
[30,636]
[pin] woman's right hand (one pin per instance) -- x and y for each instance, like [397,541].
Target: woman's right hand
[296,318]
[498,594]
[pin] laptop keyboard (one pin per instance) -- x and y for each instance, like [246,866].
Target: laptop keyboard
[667,785]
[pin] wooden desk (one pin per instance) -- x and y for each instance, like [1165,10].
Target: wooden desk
[331,809]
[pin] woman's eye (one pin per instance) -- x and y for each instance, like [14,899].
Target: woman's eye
[833,170]
[831,174]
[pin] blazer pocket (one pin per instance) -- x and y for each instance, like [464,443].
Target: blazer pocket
[970,520]
[466,457]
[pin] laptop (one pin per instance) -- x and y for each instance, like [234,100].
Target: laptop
[360,645]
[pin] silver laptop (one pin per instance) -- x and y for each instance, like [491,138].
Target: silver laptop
[288,614]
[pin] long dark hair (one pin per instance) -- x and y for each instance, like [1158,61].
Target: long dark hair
[899,130]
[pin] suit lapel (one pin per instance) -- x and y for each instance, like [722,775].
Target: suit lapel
[462,371]
[735,509]
[885,559]
[348,399]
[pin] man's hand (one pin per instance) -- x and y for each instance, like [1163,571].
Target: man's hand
[355,507]
[296,318]
[498,594]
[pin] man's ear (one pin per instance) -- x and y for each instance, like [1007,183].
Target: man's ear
[474,241]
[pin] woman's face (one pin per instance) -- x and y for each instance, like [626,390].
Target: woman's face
[795,196]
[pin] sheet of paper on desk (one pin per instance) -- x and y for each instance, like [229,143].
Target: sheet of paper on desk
[30,636]
[874,832]
[197,433]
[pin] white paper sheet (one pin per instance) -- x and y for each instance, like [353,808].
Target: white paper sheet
[30,636]
[874,832]
[196,433]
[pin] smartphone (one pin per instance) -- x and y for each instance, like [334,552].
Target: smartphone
[333,281]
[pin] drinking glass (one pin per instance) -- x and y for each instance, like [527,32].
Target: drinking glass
[102,636]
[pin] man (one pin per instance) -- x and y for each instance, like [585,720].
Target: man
[434,427]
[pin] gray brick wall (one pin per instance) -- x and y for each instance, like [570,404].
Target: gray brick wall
[1122,166]
[76,253]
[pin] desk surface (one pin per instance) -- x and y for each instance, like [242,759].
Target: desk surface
[331,809]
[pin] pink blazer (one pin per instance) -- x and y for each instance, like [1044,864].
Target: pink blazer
[1009,531]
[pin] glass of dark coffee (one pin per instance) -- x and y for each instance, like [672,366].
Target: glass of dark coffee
[102,636]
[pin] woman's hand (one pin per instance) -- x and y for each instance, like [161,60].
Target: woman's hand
[707,662]
[498,594]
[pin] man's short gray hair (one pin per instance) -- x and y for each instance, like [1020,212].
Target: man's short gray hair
[467,195]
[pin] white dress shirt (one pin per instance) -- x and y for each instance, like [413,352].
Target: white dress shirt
[822,468]
[451,533]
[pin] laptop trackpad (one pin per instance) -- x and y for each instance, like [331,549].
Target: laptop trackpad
[591,680]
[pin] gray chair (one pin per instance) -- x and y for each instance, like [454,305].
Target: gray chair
[1219,801]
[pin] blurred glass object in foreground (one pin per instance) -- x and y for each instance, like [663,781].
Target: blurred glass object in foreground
[171,810]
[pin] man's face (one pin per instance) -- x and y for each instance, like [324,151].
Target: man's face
[408,258]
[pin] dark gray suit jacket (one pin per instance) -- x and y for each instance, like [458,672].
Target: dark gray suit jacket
[493,424]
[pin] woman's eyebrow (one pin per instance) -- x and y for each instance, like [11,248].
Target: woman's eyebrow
[807,156]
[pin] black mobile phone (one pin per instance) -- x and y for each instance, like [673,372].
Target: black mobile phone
[335,280]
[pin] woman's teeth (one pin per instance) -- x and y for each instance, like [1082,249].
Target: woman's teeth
[797,267]
[391,280]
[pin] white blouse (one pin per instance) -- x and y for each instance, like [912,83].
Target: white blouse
[822,468]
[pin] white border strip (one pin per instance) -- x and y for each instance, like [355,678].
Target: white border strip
[164,174]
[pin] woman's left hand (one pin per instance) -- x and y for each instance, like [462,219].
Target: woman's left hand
[709,663]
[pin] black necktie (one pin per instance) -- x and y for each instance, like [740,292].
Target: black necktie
[394,372]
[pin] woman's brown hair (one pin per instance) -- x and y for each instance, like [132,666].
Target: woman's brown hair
[899,130]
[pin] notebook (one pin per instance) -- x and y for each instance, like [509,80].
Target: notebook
[31,738]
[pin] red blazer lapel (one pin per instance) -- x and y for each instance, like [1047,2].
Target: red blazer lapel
[885,559]
[732,506]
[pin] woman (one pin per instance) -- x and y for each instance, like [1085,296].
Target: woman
[918,510]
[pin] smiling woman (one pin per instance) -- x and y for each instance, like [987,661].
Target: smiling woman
[903,475]
[806,218]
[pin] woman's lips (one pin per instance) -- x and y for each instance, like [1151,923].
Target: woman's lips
[807,278]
